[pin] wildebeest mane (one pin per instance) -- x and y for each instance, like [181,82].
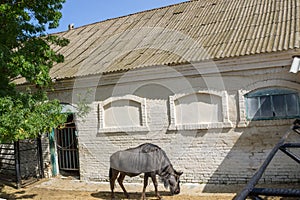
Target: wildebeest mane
[165,174]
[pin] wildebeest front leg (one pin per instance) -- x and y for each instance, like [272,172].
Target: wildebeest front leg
[146,176]
[153,177]
[120,181]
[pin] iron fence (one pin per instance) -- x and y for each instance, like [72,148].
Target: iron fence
[21,162]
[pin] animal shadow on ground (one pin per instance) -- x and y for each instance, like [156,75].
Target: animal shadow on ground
[121,195]
[13,195]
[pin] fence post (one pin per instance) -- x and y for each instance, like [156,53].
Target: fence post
[17,163]
[40,156]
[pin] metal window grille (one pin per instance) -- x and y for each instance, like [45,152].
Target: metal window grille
[272,104]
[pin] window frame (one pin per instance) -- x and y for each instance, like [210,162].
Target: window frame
[271,83]
[271,93]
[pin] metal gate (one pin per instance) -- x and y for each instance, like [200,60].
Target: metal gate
[7,162]
[67,150]
[21,162]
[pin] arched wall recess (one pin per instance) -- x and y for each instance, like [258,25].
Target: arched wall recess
[201,110]
[123,114]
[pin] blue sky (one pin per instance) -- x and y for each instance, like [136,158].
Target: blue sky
[83,12]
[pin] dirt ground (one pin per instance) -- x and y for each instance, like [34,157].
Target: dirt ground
[64,189]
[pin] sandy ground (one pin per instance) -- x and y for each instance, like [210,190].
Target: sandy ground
[66,188]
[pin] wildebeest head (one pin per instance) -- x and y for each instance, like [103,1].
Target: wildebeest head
[173,182]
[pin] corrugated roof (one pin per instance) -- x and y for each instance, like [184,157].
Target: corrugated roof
[187,32]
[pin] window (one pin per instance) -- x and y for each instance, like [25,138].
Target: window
[273,103]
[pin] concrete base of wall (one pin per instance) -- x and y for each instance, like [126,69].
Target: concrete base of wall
[192,189]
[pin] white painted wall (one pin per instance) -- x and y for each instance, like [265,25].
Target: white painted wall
[218,146]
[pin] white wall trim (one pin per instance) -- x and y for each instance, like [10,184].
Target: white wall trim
[101,115]
[225,112]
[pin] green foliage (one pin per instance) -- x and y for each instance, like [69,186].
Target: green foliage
[26,51]
[82,104]
[27,117]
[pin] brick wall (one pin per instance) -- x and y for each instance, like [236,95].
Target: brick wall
[224,153]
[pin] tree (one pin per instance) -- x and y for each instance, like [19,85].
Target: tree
[26,51]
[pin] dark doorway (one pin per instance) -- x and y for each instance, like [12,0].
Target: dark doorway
[67,148]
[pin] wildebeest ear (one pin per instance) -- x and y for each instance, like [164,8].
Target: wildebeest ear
[179,173]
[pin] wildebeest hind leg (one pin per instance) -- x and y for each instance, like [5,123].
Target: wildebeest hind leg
[120,181]
[146,176]
[113,174]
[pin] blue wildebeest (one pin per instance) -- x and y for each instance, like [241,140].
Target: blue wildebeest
[148,159]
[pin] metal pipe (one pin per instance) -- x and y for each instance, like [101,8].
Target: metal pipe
[17,164]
